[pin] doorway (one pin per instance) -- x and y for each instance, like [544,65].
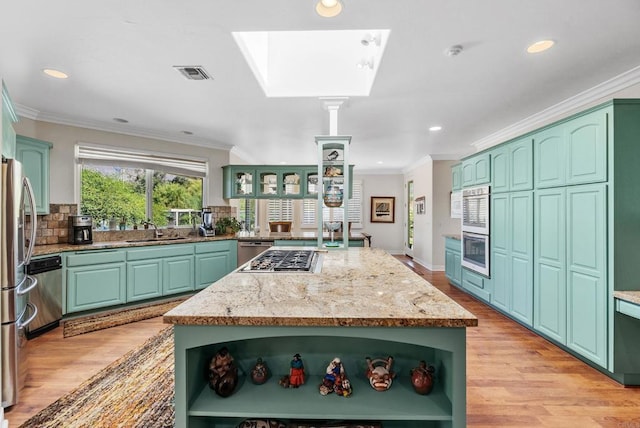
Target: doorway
[410,219]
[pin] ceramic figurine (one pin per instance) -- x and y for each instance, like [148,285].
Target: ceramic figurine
[260,372]
[422,378]
[262,423]
[335,380]
[223,373]
[296,372]
[379,373]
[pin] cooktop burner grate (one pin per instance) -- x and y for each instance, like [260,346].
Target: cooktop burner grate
[283,261]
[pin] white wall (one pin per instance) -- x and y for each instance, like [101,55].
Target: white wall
[388,236]
[64,138]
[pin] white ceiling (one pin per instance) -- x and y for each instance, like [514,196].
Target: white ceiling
[120,56]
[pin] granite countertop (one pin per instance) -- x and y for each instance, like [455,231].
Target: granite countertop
[168,239]
[629,296]
[358,287]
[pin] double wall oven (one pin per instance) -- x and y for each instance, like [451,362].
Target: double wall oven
[475,229]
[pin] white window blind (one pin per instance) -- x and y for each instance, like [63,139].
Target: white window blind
[122,157]
[280,210]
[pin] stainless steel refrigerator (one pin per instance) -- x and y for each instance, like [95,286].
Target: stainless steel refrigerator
[16,312]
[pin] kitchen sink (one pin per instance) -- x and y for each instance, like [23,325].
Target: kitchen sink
[177,238]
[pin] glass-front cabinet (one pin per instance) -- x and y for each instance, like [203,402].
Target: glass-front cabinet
[311,183]
[333,201]
[268,182]
[291,184]
[238,181]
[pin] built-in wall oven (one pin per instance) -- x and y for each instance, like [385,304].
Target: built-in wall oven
[475,229]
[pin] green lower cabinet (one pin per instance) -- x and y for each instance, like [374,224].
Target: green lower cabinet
[476,284]
[144,280]
[214,260]
[96,286]
[453,261]
[512,254]
[177,275]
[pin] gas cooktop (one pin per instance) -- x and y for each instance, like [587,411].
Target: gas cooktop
[285,261]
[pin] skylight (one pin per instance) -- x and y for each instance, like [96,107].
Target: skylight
[314,63]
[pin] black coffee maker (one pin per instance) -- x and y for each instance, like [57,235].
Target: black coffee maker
[80,229]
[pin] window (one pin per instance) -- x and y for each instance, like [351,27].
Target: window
[280,210]
[247,213]
[130,187]
[337,214]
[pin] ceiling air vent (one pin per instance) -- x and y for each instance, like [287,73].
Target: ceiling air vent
[192,72]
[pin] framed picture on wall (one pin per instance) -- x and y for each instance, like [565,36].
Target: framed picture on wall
[420,208]
[456,204]
[383,209]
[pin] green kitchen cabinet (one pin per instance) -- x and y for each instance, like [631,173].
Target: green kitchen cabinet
[269,182]
[34,156]
[95,279]
[213,260]
[573,151]
[512,166]
[550,281]
[476,170]
[453,261]
[9,116]
[512,254]
[587,296]
[310,181]
[456,177]
[476,284]
[570,268]
[144,279]
[177,274]
[238,181]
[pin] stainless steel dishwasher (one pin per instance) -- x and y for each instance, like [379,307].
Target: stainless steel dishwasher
[47,295]
[249,249]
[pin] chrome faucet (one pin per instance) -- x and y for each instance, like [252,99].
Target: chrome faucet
[156,231]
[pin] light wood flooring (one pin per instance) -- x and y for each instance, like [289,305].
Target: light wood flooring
[514,377]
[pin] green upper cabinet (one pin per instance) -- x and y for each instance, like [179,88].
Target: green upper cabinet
[8,118]
[512,166]
[456,177]
[34,156]
[476,170]
[272,181]
[572,152]
[238,181]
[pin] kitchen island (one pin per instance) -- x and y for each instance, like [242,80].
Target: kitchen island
[363,303]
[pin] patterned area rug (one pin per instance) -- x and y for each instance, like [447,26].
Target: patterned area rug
[76,326]
[134,391]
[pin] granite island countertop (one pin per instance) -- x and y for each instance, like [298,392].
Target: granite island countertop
[358,287]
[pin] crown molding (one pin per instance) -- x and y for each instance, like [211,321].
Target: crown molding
[555,112]
[123,129]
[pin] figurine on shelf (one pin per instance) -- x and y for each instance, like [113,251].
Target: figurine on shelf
[296,372]
[260,372]
[335,380]
[379,373]
[422,378]
[223,373]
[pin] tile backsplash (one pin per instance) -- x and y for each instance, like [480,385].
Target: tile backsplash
[53,228]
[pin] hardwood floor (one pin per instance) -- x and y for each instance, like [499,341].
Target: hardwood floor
[514,377]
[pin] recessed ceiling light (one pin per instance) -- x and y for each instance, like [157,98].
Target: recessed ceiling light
[283,162]
[120,120]
[328,8]
[55,73]
[540,46]
[435,128]
[380,162]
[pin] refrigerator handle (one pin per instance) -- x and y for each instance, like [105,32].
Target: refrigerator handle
[34,220]
[34,281]
[20,324]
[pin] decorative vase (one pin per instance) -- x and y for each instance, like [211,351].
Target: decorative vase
[422,378]
[223,373]
[260,372]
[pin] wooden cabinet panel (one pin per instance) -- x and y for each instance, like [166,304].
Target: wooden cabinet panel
[549,157]
[476,170]
[521,165]
[456,177]
[177,275]
[550,290]
[587,272]
[97,286]
[8,118]
[210,267]
[500,170]
[586,140]
[453,261]
[34,155]
[144,280]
